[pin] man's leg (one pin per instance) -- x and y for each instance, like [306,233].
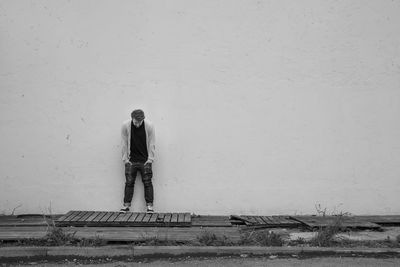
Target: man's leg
[130,176]
[147,176]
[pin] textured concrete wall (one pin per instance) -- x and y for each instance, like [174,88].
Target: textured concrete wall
[265,107]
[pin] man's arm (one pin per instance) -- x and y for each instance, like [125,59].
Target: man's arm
[152,145]
[124,144]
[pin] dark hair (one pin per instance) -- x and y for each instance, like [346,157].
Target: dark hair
[138,115]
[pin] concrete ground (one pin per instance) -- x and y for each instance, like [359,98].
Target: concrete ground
[232,261]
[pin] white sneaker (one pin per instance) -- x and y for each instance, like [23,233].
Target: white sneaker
[124,209]
[150,209]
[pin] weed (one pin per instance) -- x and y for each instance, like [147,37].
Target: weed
[262,238]
[91,242]
[211,239]
[56,236]
[326,235]
[298,241]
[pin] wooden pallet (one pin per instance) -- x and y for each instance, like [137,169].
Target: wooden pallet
[265,221]
[384,220]
[349,222]
[211,221]
[104,218]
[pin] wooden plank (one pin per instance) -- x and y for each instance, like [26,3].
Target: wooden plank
[278,219]
[287,220]
[181,218]
[71,216]
[167,218]
[388,220]
[160,217]
[126,217]
[91,217]
[345,222]
[153,218]
[268,220]
[133,217]
[282,220]
[188,218]
[119,217]
[78,216]
[99,216]
[113,217]
[87,215]
[250,219]
[259,220]
[174,218]
[106,217]
[146,218]
[62,218]
[139,218]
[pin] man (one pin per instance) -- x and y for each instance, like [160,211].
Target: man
[138,150]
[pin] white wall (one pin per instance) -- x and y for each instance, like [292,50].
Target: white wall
[260,107]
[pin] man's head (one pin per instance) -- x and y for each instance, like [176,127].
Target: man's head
[137,117]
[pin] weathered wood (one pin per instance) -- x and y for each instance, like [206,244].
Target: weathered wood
[78,216]
[264,221]
[271,220]
[8,220]
[104,218]
[113,217]
[316,222]
[187,218]
[107,216]
[119,216]
[167,218]
[384,220]
[146,218]
[160,217]
[133,217]
[259,220]
[153,218]
[174,218]
[99,217]
[62,218]
[71,216]
[87,215]
[251,219]
[139,218]
[181,217]
[92,216]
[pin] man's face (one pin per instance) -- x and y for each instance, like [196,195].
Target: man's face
[136,122]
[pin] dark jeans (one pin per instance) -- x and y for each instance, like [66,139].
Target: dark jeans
[146,173]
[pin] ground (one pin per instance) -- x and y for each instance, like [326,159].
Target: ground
[231,261]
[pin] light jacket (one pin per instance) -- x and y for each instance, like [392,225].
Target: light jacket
[126,140]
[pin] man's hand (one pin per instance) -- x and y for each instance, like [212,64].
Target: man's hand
[128,163]
[147,162]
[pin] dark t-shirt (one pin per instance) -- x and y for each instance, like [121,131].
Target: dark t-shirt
[138,144]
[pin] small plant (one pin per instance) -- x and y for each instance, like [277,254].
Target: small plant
[298,241]
[56,236]
[211,239]
[156,241]
[326,235]
[262,238]
[92,242]
[320,210]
